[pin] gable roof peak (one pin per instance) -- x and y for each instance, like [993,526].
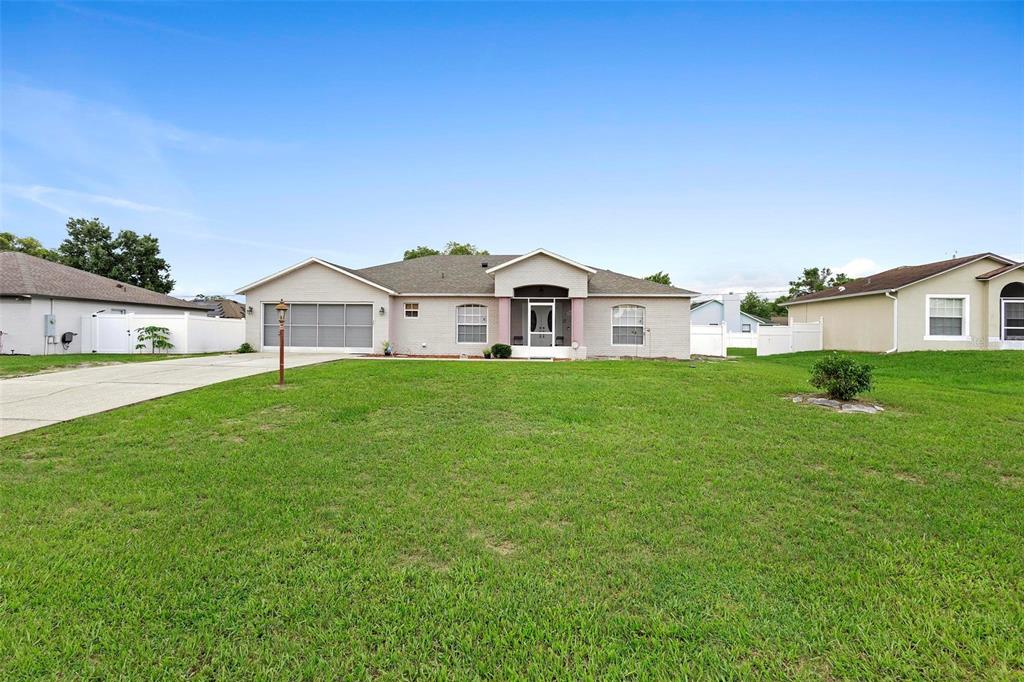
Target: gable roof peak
[543,252]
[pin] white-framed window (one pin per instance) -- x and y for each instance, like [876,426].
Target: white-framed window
[947,317]
[745,328]
[628,325]
[471,323]
[412,310]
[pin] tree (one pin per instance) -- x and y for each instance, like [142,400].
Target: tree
[138,262]
[755,305]
[159,338]
[450,249]
[420,251]
[128,257]
[816,279]
[467,249]
[88,246]
[30,245]
[660,278]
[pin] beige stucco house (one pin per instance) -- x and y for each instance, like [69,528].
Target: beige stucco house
[540,303]
[973,302]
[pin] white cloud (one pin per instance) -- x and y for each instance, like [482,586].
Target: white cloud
[69,202]
[859,267]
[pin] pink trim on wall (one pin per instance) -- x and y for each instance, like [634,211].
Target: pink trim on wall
[577,321]
[504,319]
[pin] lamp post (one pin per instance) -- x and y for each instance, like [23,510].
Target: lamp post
[282,310]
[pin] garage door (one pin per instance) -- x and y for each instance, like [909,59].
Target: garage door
[334,326]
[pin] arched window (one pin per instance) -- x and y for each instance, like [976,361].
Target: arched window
[1012,297]
[471,323]
[628,325]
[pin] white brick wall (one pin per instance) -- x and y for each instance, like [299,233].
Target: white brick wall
[436,326]
[667,318]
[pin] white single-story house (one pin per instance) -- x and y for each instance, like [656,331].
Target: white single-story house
[41,302]
[726,311]
[968,303]
[540,303]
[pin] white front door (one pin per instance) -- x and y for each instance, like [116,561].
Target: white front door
[542,333]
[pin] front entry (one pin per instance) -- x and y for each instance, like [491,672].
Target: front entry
[541,327]
[542,317]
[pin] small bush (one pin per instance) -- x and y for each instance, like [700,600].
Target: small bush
[246,348]
[840,376]
[487,352]
[501,350]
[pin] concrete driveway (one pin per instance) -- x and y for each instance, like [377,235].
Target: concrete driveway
[42,399]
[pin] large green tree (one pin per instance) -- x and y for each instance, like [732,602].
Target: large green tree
[660,277]
[89,246]
[30,245]
[137,261]
[129,257]
[816,279]
[450,249]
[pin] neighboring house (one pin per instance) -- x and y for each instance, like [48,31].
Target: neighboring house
[725,311]
[540,303]
[32,290]
[974,302]
[222,307]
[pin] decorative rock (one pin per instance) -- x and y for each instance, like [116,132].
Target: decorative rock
[856,407]
[825,402]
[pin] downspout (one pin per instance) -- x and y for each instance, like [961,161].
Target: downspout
[895,321]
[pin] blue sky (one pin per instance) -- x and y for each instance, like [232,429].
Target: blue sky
[728,144]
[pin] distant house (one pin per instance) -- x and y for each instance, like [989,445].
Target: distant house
[973,302]
[41,302]
[726,311]
[222,307]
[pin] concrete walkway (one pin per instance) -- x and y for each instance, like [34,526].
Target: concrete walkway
[42,399]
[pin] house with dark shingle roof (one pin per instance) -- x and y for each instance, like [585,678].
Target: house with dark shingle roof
[32,288]
[540,303]
[971,302]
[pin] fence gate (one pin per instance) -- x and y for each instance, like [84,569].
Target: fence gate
[111,334]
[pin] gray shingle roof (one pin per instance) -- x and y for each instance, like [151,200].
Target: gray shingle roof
[896,278]
[468,275]
[25,275]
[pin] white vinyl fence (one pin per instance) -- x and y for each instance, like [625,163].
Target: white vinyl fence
[708,339]
[107,333]
[793,338]
[716,339]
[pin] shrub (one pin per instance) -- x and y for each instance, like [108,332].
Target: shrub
[501,350]
[159,338]
[246,347]
[840,376]
[487,352]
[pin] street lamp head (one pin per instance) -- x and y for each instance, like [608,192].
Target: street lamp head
[282,310]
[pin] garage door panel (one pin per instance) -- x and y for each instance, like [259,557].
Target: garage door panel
[302,313]
[359,337]
[359,315]
[332,337]
[304,336]
[332,315]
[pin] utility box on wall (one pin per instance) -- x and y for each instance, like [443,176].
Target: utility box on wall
[49,324]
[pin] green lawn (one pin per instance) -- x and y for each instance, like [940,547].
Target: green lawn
[543,520]
[19,365]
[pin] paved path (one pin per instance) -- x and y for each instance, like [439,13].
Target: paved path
[42,399]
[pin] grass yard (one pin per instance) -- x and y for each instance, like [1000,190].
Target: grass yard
[540,520]
[20,365]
